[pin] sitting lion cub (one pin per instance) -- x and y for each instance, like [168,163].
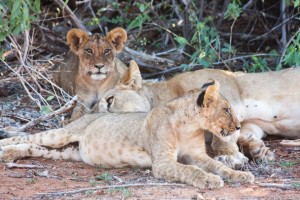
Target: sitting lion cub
[92,67]
[168,139]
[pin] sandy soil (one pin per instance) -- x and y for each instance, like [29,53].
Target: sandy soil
[73,180]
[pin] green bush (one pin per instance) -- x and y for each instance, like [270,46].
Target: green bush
[17,15]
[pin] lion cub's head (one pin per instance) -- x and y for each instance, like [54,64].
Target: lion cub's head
[96,52]
[219,116]
[125,97]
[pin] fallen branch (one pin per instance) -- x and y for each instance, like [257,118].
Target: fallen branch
[109,187]
[148,60]
[290,142]
[14,165]
[66,108]
[277,185]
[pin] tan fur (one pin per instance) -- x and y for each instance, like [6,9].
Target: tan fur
[265,103]
[167,139]
[92,67]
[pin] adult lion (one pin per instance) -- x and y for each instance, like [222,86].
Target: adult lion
[266,102]
[159,139]
[92,67]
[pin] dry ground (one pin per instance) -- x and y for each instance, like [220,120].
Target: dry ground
[57,179]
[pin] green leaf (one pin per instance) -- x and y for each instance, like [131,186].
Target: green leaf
[233,11]
[16,8]
[138,21]
[17,30]
[50,98]
[37,6]
[46,109]
[181,40]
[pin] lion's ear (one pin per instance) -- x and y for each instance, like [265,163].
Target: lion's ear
[132,78]
[75,38]
[209,97]
[117,37]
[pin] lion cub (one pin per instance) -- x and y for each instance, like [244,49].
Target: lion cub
[92,67]
[167,139]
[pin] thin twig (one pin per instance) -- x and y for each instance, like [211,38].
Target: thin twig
[14,165]
[283,27]
[108,187]
[275,27]
[290,142]
[66,108]
[277,185]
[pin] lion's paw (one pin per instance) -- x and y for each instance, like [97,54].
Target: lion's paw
[5,156]
[262,154]
[235,161]
[210,181]
[241,177]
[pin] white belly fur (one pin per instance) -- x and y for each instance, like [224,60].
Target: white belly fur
[273,117]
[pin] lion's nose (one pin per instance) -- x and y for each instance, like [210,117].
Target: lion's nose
[237,128]
[99,66]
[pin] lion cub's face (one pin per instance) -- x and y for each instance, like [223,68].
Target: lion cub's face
[126,96]
[221,118]
[96,52]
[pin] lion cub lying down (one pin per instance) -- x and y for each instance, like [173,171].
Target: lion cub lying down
[164,139]
[265,103]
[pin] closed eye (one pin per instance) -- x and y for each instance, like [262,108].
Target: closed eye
[227,111]
[109,101]
[88,51]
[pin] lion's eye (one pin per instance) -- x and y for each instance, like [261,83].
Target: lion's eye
[109,101]
[88,51]
[227,111]
[107,52]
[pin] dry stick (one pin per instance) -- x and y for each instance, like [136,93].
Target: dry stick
[278,185]
[143,58]
[290,142]
[69,12]
[283,27]
[14,165]
[66,108]
[110,186]
[274,28]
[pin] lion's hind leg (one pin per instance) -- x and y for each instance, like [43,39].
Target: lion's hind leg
[11,153]
[55,138]
[251,143]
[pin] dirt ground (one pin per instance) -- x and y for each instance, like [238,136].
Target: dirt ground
[74,180]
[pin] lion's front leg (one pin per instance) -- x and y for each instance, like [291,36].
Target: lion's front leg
[164,165]
[170,169]
[11,153]
[216,167]
[251,143]
[228,152]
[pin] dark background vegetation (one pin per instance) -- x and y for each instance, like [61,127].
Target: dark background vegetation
[164,38]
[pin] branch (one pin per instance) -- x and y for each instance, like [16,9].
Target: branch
[69,12]
[108,187]
[14,165]
[278,185]
[290,142]
[66,108]
[148,60]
